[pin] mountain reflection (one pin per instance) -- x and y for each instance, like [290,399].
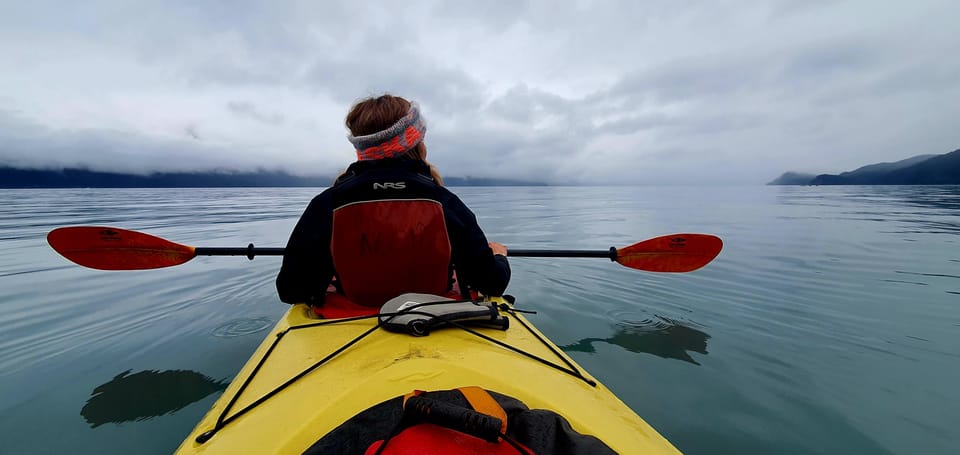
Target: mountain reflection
[663,337]
[930,208]
[146,394]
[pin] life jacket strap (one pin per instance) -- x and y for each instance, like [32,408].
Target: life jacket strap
[482,402]
[486,420]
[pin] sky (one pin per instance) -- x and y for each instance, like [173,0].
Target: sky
[586,92]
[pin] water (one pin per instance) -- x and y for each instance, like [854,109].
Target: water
[830,323]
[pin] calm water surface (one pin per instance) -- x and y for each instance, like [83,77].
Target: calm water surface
[830,323]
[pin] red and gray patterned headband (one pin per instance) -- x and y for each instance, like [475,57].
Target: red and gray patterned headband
[394,141]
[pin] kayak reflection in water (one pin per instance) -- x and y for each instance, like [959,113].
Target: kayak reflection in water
[387,226]
[146,394]
[665,338]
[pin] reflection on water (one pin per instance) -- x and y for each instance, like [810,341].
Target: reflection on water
[663,337]
[914,205]
[939,196]
[146,394]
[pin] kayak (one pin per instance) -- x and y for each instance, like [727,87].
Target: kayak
[417,377]
[311,375]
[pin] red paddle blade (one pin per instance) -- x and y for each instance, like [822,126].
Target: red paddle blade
[107,248]
[671,253]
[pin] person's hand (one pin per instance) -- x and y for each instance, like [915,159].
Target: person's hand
[498,248]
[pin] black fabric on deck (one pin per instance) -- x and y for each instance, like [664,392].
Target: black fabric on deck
[542,431]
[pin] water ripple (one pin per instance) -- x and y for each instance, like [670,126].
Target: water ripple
[241,327]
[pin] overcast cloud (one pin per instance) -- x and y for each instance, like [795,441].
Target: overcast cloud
[565,91]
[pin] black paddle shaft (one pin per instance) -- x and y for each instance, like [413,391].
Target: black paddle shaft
[250,252]
[610,254]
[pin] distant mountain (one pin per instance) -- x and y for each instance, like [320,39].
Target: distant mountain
[84,178]
[11,177]
[939,170]
[880,168]
[792,178]
[918,170]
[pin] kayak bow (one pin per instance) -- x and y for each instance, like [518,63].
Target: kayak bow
[326,375]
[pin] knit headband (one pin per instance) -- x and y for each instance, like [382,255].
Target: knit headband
[396,140]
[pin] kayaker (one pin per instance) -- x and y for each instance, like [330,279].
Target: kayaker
[388,226]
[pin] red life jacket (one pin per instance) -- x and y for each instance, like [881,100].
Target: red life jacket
[432,439]
[384,248]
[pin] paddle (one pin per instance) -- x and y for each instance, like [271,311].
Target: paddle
[107,248]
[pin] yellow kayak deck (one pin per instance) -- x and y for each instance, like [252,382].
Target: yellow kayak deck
[384,365]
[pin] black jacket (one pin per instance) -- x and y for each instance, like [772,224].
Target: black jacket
[307,267]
